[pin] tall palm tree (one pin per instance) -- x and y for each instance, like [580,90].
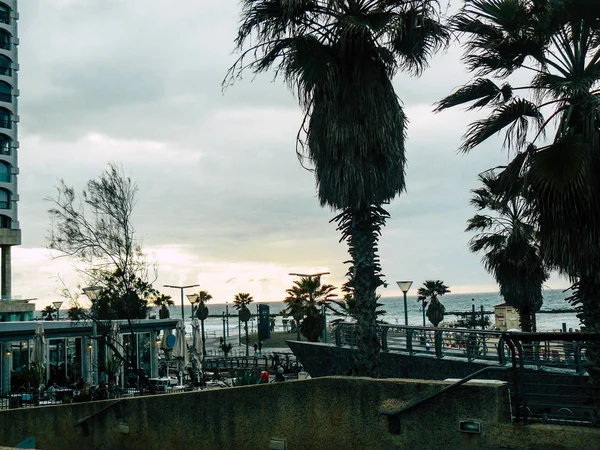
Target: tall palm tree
[241,302]
[340,56]
[202,314]
[163,302]
[509,240]
[556,43]
[432,289]
[305,301]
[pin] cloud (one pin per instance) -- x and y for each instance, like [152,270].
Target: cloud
[223,201]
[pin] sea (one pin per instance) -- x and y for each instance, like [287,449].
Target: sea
[394,311]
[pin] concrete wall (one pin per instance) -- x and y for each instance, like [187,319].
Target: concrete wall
[327,360]
[324,413]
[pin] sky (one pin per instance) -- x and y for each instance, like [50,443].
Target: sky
[223,201]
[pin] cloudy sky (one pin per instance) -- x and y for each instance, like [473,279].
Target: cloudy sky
[223,201]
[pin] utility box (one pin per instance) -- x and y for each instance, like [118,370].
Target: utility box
[264,322]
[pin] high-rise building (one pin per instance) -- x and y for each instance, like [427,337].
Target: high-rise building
[10,231]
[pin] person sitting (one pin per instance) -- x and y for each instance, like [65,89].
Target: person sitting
[264,377]
[279,376]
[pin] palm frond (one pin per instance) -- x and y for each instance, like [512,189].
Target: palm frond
[515,115]
[482,91]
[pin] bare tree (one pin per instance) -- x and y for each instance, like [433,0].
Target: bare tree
[97,233]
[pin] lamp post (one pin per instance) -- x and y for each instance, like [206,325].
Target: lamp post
[404,287]
[57,305]
[181,288]
[227,315]
[193,298]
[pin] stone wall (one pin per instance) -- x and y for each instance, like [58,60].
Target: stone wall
[323,413]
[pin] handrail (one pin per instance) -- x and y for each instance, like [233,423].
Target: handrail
[398,412]
[97,413]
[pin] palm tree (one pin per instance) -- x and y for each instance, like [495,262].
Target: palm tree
[76,312]
[294,306]
[163,302]
[49,312]
[241,302]
[340,56]
[556,43]
[304,303]
[512,256]
[202,314]
[432,289]
[347,306]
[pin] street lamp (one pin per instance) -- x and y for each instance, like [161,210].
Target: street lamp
[181,288]
[404,287]
[92,292]
[193,298]
[57,305]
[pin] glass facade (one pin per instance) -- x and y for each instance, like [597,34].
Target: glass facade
[5,92]
[5,66]
[5,118]
[4,40]
[4,199]
[4,172]
[4,14]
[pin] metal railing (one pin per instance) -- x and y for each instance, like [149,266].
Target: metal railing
[272,360]
[550,379]
[436,342]
[547,374]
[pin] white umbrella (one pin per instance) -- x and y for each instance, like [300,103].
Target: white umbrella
[197,348]
[180,351]
[38,353]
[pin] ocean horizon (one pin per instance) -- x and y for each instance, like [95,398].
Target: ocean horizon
[394,310]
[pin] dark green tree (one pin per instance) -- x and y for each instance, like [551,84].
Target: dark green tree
[241,302]
[432,289]
[508,238]
[123,299]
[163,302]
[202,314]
[551,123]
[49,313]
[340,56]
[304,303]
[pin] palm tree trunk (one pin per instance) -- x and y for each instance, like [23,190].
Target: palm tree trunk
[362,229]
[247,342]
[525,319]
[585,298]
[203,340]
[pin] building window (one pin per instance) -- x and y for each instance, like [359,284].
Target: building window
[4,14]
[4,172]
[4,199]
[5,118]
[4,40]
[5,147]
[5,92]
[5,66]
[5,222]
